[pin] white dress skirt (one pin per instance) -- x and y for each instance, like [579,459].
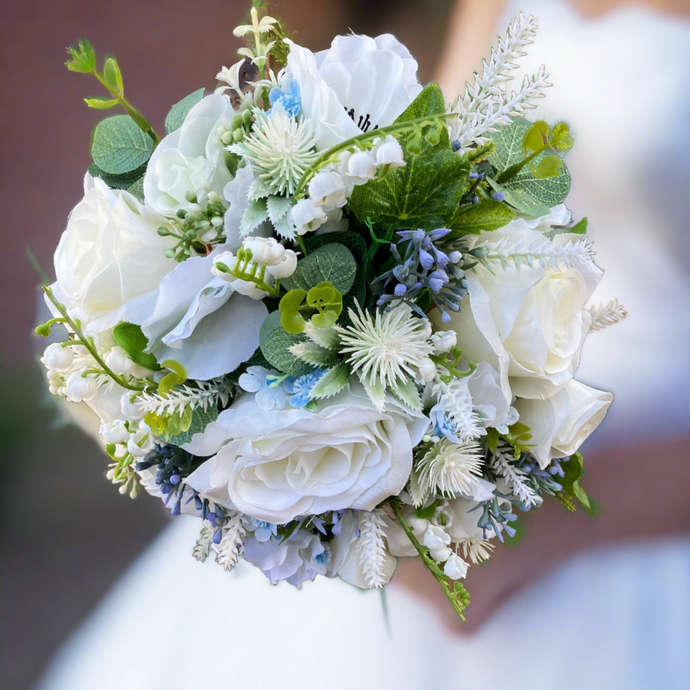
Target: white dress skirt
[615,619]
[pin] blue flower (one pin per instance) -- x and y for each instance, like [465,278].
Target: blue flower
[300,388]
[290,102]
[263,531]
[262,382]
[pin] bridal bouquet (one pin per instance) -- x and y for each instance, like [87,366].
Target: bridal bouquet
[331,313]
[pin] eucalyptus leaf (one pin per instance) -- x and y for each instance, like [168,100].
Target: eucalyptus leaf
[124,181]
[487,215]
[332,263]
[180,110]
[426,192]
[137,189]
[275,345]
[119,146]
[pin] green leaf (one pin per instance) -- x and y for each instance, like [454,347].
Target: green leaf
[256,213]
[82,58]
[275,345]
[426,192]
[101,103]
[113,76]
[560,137]
[177,376]
[332,382]
[408,392]
[291,319]
[524,192]
[579,228]
[428,512]
[482,217]
[119,181]
[130,338]
[571,482]
[331,263]
[137,189]
[180,110]
[550,166]
[278,208]
[311,353]
[199,421]
[535,137]
[119,146]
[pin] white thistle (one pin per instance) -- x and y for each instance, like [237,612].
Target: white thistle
[477,550]
[606,315]
[485,104]
[203,395]
[547,254]
[385,348]
[280,149]
[372,547]
[203,544]
[450,468]
[501,463]
[455,400]
[229,549]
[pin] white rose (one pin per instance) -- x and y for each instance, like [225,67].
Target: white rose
[110,260]
[360,83]
[327,189]
[189,158]
[284,463]
[560,424]
[529,322]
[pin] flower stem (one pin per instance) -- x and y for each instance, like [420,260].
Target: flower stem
[455,591]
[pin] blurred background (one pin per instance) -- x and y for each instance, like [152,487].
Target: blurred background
[65,532]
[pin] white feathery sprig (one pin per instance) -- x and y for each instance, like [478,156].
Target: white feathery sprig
[545,253]
[485,104]
[372,547]
[455,400]
[229,549]
[203,544]
[477,550]
[501,464]
[450,468]
[606,315]
[202,395]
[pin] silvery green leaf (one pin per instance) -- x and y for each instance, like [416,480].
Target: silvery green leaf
[314,354]
[180,110]
[331,263]
[257,190]
[278,208]
[376,392]
[256,213]
[275,345]
[326,337]
[332,382]
[119,146]
[408,392]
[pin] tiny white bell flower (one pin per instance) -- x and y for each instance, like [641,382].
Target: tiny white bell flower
[209,235]
[417,525]
[131,409]
[389,152]
[229,260]
[361,167]
[113,432]
[265,251]
[58,358]
[443,341]
[435,537]
[441,554]
[118,361]
[455,568]
[286,267]
[307,216]
[81,388]
[140,443]
[427,369]
[328,189]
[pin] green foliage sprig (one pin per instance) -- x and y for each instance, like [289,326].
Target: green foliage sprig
[323,302]
[83,60]
[251,272]
[449,361]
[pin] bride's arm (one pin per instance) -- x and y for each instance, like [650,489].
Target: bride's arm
[468,40]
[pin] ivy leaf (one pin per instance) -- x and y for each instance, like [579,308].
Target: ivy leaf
[487,215]
[524,192]
[180,110]
[275,345]
[119,146]
[332,263]
[200,419]
[571,482]
[426,192]
[131,339]
[332,382]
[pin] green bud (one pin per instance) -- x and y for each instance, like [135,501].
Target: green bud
[190,234]
[433,136]
[227,138]
[169,253]
[236,122]
[238,135]
[181,213]
[191,197]
[163,232]
[247,117]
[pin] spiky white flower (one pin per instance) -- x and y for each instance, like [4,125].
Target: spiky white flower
[485,104]
[385,348]
[477,550]
[280,149]
[502,464]
[606,315]
[229,549]
[450,468]
[372,547]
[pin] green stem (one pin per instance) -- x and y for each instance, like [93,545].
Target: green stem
[331,155]
[140,120]
[89,344]
[513,170]
[429,562]
[302,246]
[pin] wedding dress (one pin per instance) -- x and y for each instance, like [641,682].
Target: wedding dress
[614,619]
